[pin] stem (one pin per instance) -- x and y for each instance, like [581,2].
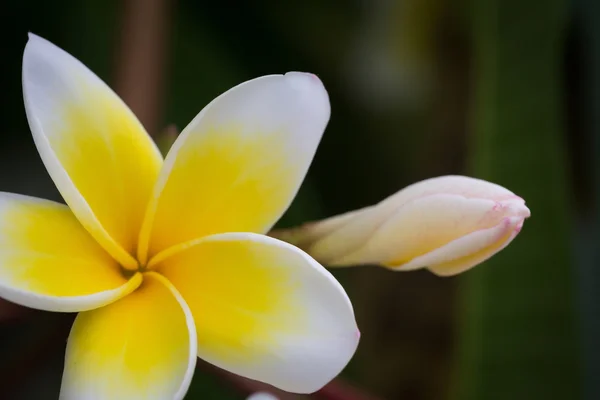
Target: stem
[142,59]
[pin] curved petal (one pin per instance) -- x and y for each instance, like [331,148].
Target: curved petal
[415,229]
[465,186]
[265,310]
[48,261]
[239,163]
[453,258]
[99,156]
[140,347]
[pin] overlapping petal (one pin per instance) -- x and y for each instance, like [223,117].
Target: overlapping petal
[424,224]
[468,251]
[400,237]
[446,224]
[49,261]
[264,309]
[239,163]
[96,151]
[140,347]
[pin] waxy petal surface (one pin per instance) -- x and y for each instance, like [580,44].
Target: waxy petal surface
[140,347]
[237,166]
[50,262]
[468,251]
[265,310]
[414,229]
[96,151]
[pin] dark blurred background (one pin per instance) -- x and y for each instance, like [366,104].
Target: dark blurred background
[503,90]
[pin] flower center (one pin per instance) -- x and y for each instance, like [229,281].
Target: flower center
[128,273]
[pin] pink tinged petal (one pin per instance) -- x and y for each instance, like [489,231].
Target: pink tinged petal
[467,251]
[428,223]
[448,224]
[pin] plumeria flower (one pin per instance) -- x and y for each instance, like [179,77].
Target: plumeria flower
[167,261]
[447,224]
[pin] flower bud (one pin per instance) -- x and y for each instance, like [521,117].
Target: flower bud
[447,224]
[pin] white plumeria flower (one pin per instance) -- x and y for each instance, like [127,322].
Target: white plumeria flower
[446,224]
[167,261]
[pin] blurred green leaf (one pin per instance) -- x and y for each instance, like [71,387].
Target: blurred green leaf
[518,338]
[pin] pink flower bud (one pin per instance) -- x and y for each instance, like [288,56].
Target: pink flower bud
[447,224]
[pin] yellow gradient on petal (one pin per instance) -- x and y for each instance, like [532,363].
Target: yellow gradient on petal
[136,348]
[44,249]
[111,161]
[226,180]
[241,298]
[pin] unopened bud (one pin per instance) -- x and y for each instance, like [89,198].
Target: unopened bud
[447,224]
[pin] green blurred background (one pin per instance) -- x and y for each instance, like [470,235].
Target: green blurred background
[503,90]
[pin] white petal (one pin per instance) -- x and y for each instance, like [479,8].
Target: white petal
[99,156]
[288,322]
[140,347]
[464,246]
[49,262]
[262,396]
[237,166]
